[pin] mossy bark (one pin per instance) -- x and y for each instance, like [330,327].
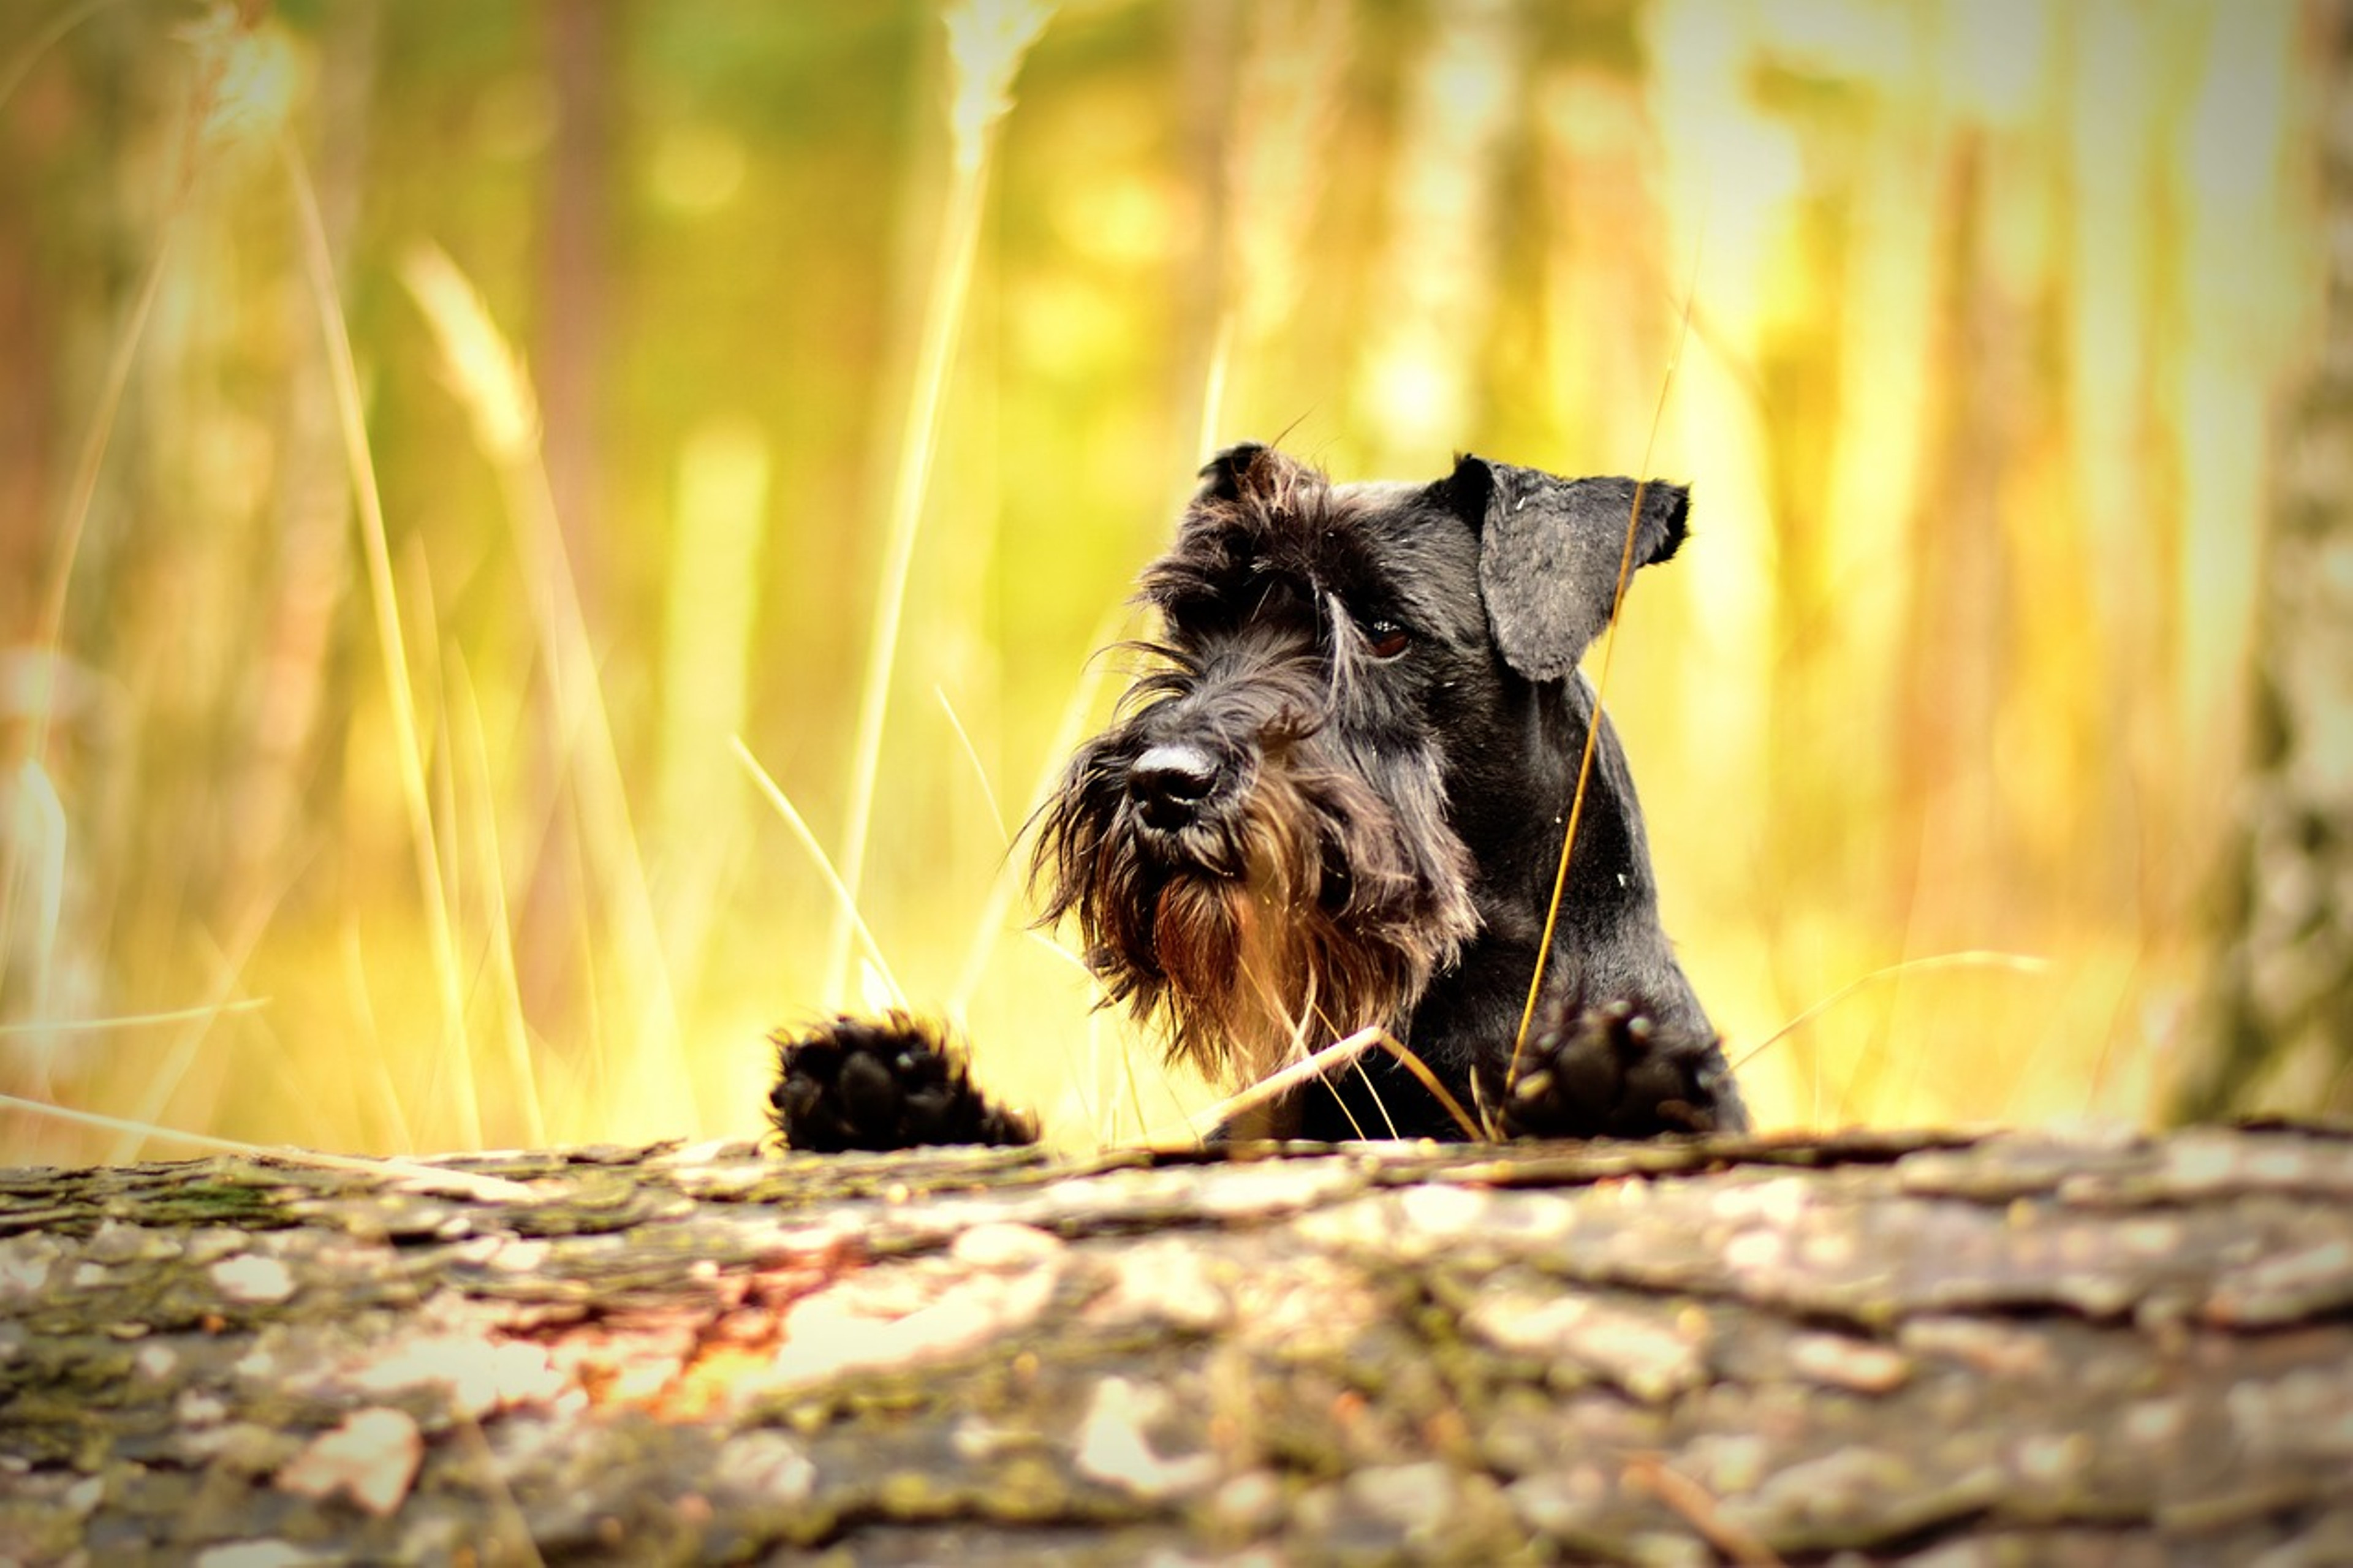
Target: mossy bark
[1761,1349]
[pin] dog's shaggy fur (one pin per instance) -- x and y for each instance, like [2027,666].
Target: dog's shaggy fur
[1336,799]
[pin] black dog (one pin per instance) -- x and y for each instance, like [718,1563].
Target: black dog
[1337,801]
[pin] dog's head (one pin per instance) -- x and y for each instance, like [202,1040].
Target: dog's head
[1263,851]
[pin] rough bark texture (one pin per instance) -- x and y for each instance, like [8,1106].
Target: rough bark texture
[2279,1023]
[1950,1349]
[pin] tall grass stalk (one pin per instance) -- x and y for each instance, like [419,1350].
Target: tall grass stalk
[986,42]
[410,1173]
[48,633]
[1287,115]
[58,25]
[710,634]
[846,906]
[391,645]
[1319,1064]
[997,906]
[1976,958]
[36,831]
[1602,680]
[367,1041]
[163,1082]
[489,380]
[979,770]
[479,793]
[161,1019]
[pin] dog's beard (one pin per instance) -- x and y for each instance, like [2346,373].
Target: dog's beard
[1309,909]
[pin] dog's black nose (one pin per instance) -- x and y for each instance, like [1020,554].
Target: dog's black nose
[1170,781]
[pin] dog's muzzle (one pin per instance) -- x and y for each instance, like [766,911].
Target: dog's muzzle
[1170,783]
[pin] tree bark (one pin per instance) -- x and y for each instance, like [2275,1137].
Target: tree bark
[2277,1027]
[1756,1350]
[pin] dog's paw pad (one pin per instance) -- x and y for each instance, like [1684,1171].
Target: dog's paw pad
[1611,1071]
[894,1082]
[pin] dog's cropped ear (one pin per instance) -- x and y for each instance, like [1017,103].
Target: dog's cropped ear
[1549,553]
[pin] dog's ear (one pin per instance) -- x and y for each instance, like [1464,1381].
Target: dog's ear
[1256,475]
[1224,475]
[1550,550]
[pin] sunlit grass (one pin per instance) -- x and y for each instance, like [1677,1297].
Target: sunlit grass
[408,744]
[626,945]
[845,900]
[404,1173]
[1981,345]
[987,40]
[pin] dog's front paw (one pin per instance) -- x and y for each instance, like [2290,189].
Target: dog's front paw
[1611,1071]
[894,1082]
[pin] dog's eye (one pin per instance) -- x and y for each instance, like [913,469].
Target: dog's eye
[1386,638]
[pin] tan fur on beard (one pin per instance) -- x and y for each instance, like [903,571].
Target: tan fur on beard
[1259,973]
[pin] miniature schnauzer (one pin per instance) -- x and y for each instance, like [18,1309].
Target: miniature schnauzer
[1337,799]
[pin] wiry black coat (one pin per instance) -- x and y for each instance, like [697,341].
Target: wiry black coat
[1338,798]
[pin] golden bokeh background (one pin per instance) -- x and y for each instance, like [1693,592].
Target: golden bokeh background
[435,432]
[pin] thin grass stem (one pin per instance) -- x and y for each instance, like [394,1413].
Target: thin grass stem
[1972,958]
[987,41]
[163,1082]
[491,382]
[48,635]
[943,322]
[206,1011]
[391,645]
[1337,1054]
[459,1183]
[42,42]
[1600,688]
[499,940]
[1006,884]
[979,774]
[840,889]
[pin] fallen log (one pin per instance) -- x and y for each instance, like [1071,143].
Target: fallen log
[1951,1347]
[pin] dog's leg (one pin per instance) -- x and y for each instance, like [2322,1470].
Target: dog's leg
[895,1082]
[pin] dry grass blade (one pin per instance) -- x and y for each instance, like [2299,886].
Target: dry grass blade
[475,778]
[491,382]
[40,43]
[979,774]
[391,645]
[36,831]
[1975,958]
[986,40]
[998,903]
[1340,1053]
[1577,798]
[459,1184]
[840,889]
[137,1020]
[1064,953]
[1600,691]
[483,369]
[163,1080]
